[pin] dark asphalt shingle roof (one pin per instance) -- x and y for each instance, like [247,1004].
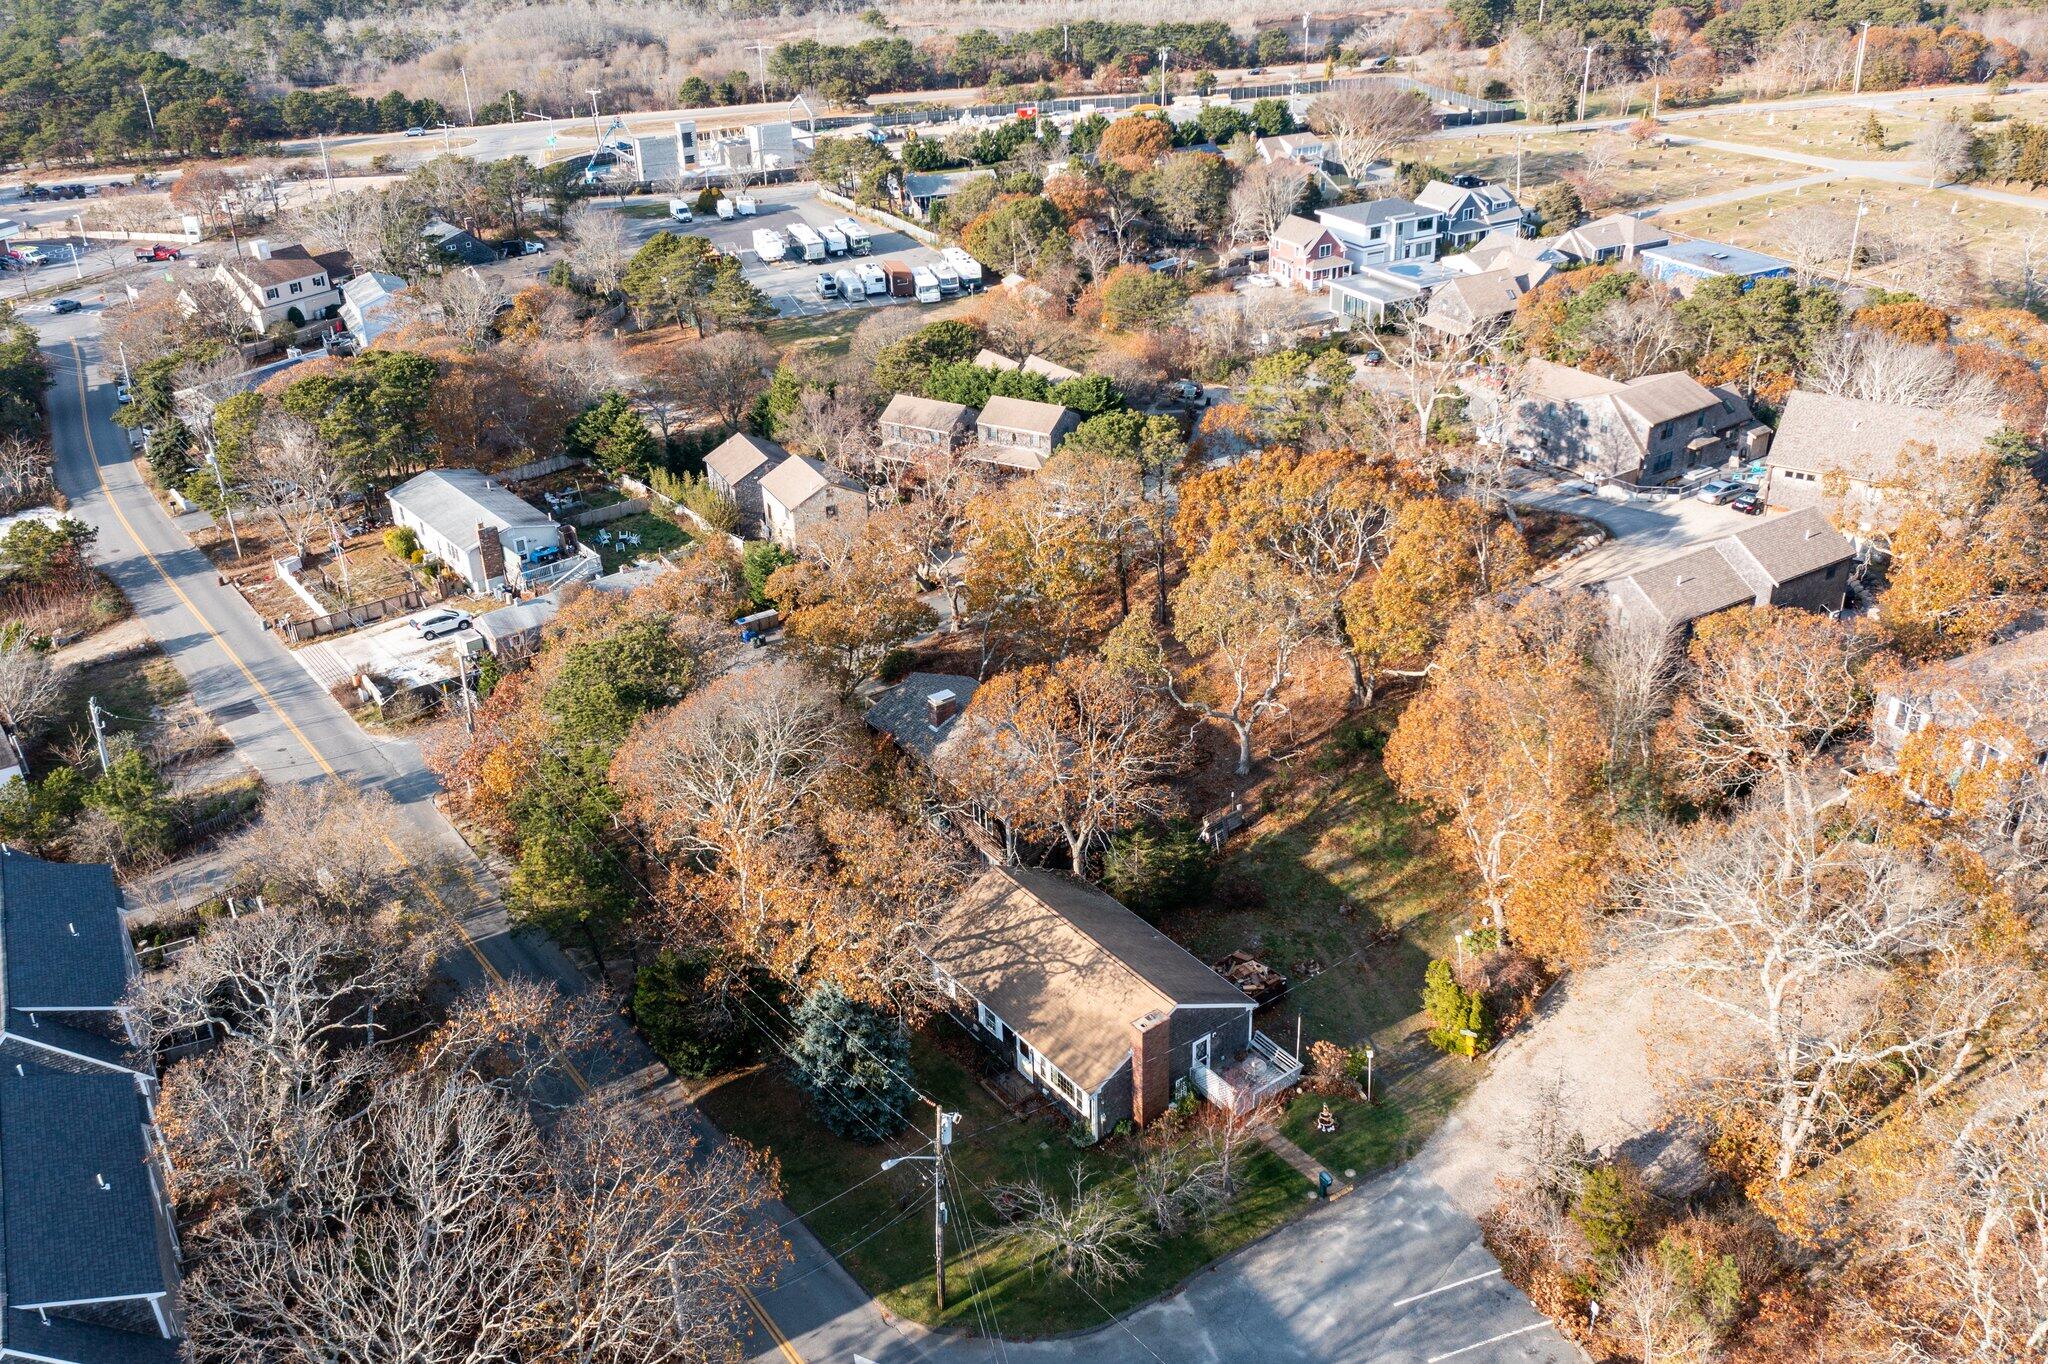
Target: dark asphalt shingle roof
[67,1238]
[900,713]
[78,1342]
[61,935]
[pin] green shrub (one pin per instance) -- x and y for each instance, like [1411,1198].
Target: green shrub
[896,665]
[683,1024]
[1608,1208]
[758,564]
[1154,870]
[401,543]
[713,507]
[1462,1024]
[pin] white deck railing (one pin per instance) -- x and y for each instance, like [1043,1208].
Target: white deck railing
[1263,1071]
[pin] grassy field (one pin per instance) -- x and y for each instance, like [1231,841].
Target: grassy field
[1994,234]
[1640,177]
[1838,131]
[881,1230]
[128,686]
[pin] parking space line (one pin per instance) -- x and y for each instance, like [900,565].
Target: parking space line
[1442,1288]
[1490,1340]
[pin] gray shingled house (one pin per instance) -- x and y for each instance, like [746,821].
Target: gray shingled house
[85,1220]
[1793,560]
[735,470]
[1096,1007]
[918,712]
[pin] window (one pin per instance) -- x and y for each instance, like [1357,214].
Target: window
[831,511]
[988,1020]
[1322,250]
[295,286]
[270,294]
[319,281]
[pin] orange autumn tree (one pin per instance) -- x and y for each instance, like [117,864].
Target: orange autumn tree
[1325,518]
[1136,142]
[1075,750]
[769,840]
[1446,554]
[1505,745]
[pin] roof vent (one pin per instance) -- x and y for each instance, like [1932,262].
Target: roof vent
[1680,581]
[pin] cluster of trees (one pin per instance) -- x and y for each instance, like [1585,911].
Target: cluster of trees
[353,1118]
[1052,55]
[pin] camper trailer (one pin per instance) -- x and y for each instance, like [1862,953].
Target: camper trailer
[857,239]
[927,285]
[808,243]
[835,241]
[769,244]
[874,281]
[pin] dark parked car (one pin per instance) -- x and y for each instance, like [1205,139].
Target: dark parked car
[1749,504]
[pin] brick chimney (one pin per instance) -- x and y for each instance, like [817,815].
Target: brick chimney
[1151,1066]
[491,552]
[940,707]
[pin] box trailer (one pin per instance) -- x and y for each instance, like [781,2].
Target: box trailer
[874,281]
[725,208]
[901,285]
[746,205]
[770,244]
[808,243]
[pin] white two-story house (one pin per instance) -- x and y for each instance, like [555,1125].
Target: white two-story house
[1383,231]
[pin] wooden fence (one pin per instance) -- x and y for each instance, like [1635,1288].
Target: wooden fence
[354,617]
[617,511]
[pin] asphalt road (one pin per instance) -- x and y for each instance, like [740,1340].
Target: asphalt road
[1394,1273]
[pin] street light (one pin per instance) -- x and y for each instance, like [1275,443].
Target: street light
[943,1139]
[1368,1072]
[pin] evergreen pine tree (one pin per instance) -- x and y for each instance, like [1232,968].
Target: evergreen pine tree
[851,1062]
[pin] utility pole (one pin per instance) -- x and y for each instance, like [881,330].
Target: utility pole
[1165,56]
[462,678]
[325,169]
[1855,230]
[1304,39]
[467,98]
[1518,164]
[149,111]
[1066,43]
[760,51]
[99,733]
[226,504]
[126,377]
[78,251]
[595,126]
[1656,98]
[1862,43]
[1585,79]
[942,1142]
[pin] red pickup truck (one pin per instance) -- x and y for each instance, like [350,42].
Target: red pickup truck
[158,252]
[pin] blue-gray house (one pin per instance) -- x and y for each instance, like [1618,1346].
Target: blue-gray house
[1683,265]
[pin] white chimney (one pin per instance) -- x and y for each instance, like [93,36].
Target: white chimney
[260,248]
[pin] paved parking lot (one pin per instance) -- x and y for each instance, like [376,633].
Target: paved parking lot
[1646,531]
[391,649]
[791,286]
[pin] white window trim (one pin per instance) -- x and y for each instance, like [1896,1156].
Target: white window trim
[992,1021]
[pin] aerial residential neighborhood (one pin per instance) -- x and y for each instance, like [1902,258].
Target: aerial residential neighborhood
[946,684]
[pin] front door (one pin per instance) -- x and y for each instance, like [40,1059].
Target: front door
[1199,1053]
[1025,1057]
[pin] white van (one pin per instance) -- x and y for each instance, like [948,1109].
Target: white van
[725,209]
[746,205]
[927,284]
[681,211]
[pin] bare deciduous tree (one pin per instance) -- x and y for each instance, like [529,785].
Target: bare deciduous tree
[29,686]
[1644,335]
[24,470]
[1093,1236]
[1786,924]
[1366,124]
[599,247]
[1654,1314]
[1878,367]
[328,844]
[1265,194]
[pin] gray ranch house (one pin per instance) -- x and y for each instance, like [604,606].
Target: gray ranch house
[1094,1006]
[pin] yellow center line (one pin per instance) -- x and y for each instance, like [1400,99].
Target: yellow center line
[99,480]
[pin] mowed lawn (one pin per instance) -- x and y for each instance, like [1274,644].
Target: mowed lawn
[882,1231]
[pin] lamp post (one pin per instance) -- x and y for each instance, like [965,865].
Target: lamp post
[1368,1072]
[943,1139]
